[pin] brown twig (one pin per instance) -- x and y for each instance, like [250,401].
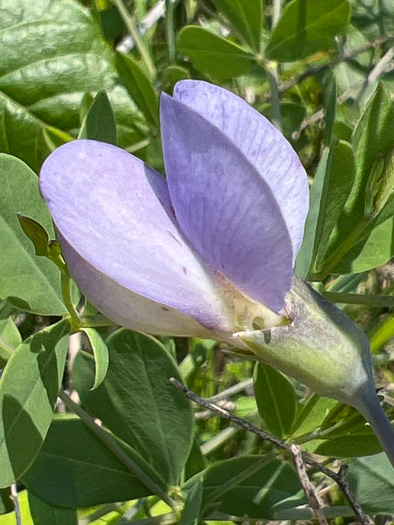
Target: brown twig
[338,477]
[309,490]
[284,86]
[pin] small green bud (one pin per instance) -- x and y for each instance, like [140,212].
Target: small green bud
[36,233]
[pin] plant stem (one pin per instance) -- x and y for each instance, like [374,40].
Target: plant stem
[116,449]
[335,62]
[378,301]
[272,69]
[170,31]
[143,50]
[66,292]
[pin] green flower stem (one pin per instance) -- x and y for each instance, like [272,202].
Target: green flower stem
[170,31]
[66,292]
[116,449]
[143,50]
[382,333]
[379,301]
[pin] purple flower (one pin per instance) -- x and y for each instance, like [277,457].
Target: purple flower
[208,249]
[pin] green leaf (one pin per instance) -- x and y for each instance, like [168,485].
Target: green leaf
[312,414]
[291,115]
[139,86]
[245,17]
[375,250]
[307,251]
[99,122]
[305,27]
[75,469]
[195,462]
[330,105]
[373,142]
[212,54]
[275,486]
[330,190]
[338,181]
[44,513]
[28,391]
[275,398]
[6,504]
[29,282]
[191,511]
[373,139]
[358,441]
[372,482]
[51,54]
[101,357]
[10,338]
[137,402]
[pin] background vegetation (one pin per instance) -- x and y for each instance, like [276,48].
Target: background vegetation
[323,72]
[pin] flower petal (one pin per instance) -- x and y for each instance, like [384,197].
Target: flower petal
[262,144]
[125,307]
[112,213]
[224,207]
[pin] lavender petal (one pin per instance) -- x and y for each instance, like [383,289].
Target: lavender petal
[261,143]
[224,207]
[122,243]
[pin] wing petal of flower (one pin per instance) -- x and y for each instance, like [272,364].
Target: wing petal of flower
[122,242]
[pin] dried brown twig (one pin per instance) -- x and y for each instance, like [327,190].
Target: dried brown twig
[312,71]
[339,477]
[309,490]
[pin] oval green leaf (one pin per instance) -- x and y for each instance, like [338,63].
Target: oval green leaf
[245,17]
[29,282]
[99,122]
[139,86]
[44,513]
[212,54]
[28,392]
[51,54]
[273,487]
[305,27]
[75,469]
[275,398]
[138,404]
